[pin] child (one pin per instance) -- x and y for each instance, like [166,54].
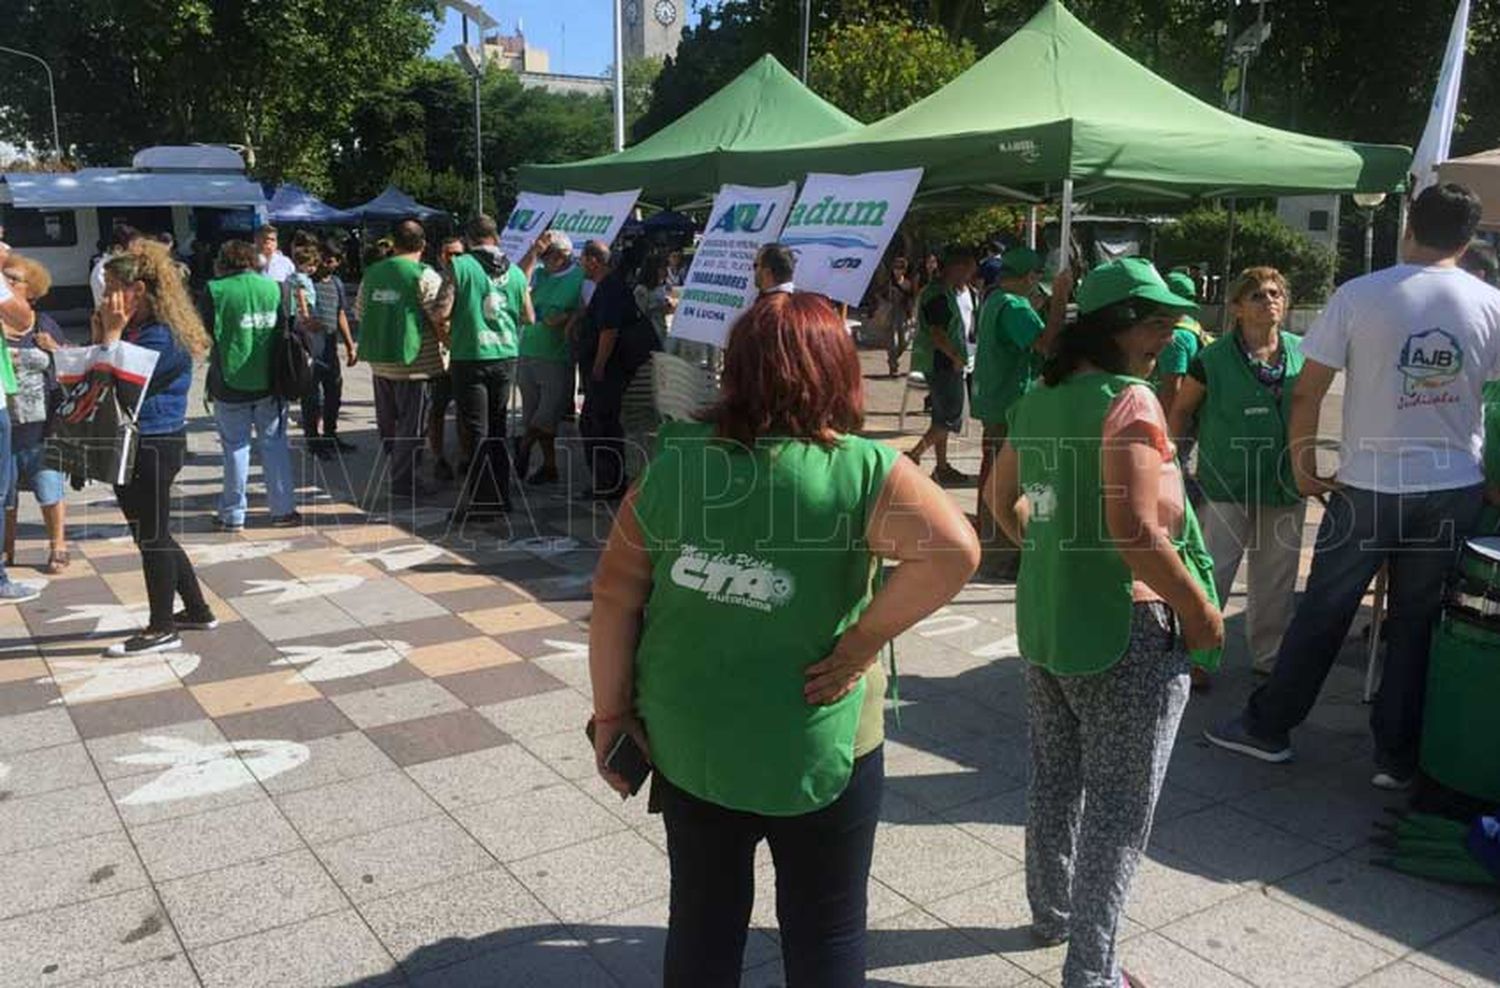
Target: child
[325,323]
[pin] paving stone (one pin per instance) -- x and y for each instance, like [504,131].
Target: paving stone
[425,739]
[916,948]
[301,722]
[240,788]
[1393,911]
[1238,847]
[402,857]
[385,601]
[358,806]
[540,715]
[58,874]
[38,729]
[32,773]
[333,950]
[302,619]
[925,860]
[631,944]
[482,776]
[247,694]
[107,752]
[529,823]
[1161,963]
[1317,812]
[450,920]
[247,898]
[1469,958]
[597,878]
[168,971]
[336,758]
[83,939]
[552,960]
[1269,943]
[392,704]
[999,821]
[1403,975]
[216,839]
[942,779]
[566,753]
[55,817]
[1168,887]
[498,684]
[133,714]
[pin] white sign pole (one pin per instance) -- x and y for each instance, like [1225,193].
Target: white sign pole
[720,284]
[841,226]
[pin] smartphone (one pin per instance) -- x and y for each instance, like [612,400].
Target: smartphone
[625,759]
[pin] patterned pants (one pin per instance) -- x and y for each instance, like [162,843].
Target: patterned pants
[1099,751]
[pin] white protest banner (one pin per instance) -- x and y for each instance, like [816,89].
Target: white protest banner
[721,282]
[841,226]
[527,221]
[585,216]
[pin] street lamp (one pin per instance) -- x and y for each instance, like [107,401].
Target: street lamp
[472,60]
[51,93]
[1369,202]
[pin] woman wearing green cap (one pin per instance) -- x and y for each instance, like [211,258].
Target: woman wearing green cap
[737,622]
[1088,484]
[1239,392]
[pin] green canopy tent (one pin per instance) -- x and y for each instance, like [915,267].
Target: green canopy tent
[763,107]
[1056,111]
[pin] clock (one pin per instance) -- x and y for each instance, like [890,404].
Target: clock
[665,12]
[633,12]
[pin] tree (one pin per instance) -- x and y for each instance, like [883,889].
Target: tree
[873,66]
[283,78]
[640,78]
[1259,238]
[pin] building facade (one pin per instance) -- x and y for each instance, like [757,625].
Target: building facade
[653,28]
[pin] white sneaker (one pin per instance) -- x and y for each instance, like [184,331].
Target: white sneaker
[1391,782]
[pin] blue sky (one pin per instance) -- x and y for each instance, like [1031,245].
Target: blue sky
[585,48]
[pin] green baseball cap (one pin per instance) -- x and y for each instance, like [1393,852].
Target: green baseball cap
[1128,278]
[1181,283]
[1020,261]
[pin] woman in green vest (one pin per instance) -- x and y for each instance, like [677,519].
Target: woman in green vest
[1238,391]
[738,619]
[544,375]
[1088,484]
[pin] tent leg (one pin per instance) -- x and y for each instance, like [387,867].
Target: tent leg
[1403,207]
[1066,232]
[1228,264]
[1031,227]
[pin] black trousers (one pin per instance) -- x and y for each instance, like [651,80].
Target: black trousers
[822,879]
[147,504]
[327,395]
[481,392]
[401,420]
[603,434]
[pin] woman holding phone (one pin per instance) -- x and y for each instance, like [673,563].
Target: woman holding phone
[738,618]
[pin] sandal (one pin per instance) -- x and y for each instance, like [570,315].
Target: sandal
[57,561]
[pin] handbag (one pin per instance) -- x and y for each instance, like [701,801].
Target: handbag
[291,360]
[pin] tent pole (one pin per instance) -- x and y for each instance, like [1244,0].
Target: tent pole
[1066,233]
[1228,263]
[1403,205]
[1031,227]
[619,74]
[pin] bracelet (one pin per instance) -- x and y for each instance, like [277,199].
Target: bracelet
[613,718]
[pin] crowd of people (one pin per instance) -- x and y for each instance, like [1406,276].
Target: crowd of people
[772,536]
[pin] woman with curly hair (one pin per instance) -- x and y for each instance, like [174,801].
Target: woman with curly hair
[146,303]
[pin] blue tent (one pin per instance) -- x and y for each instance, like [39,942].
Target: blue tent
[393,204]
[294,204]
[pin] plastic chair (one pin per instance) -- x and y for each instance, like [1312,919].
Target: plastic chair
[915,381]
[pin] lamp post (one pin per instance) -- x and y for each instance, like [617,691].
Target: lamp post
[616,6]
[1369,202]
[806,36]
[51,94]
[472,60]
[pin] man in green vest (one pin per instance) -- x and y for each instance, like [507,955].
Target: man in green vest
[1173,362]
[399,338]
[1012,341]
[485,302]
[940,352]
[244,314]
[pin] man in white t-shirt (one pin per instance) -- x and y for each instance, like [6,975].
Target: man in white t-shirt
[273,263]
[1416,343]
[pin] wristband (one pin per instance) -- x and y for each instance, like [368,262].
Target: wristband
[613,718]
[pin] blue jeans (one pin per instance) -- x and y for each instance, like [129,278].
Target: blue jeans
[267,417]
[31,472]
[7,477]
[1418,535]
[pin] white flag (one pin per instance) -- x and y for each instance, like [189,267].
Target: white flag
[1438,135]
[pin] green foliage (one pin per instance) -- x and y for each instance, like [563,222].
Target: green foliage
[282,78]
[1260,237]
[872,66]
[640,78]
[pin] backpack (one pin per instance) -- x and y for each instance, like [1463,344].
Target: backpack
[291,360]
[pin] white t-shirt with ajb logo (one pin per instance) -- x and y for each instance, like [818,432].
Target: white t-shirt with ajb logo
[1416,345]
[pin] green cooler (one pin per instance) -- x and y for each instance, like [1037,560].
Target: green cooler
[1461,720]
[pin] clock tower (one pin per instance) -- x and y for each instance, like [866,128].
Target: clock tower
[652,27]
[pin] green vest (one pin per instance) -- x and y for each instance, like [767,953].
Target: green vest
[246,308]
[921,344]
[1242,444]
[1074,596]
[8,384]
[551,294]
[390,329]
[751,584]
[486,311]
[1003,372]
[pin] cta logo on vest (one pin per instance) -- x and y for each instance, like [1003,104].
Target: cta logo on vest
[737,579]
[258,320]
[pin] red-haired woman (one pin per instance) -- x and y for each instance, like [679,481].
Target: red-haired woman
[737,622]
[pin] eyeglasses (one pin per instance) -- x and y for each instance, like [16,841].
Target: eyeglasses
[1266,295]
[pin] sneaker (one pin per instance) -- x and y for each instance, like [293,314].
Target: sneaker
[1232,735]
[18,593]
[1391,781]
[1128,980]
[220,525]
[144,643]
[948,476]
[291,519]
[1043,937]
[188,621]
